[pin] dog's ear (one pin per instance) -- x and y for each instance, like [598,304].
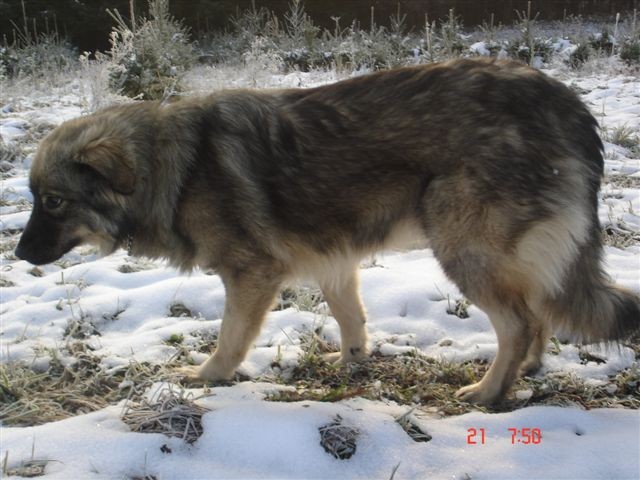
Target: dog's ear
[107,157]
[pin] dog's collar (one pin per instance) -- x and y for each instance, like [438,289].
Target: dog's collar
[129,244]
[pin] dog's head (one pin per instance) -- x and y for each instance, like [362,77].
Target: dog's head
[81,178]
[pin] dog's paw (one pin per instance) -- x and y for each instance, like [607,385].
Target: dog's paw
[530,367]
[198,375]
[477,393]
[334,358]
[188,375]
[342,358]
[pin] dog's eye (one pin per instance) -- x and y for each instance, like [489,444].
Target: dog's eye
[51,202]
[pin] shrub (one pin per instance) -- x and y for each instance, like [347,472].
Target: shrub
[580,55]
[602,42]
[368,49]
[542,49]
[630,52]
[299,45]
[252,23]
[294,42]
[529,47]
[33,54]
[491,45]
[451,35]
[149,58]
[37,57]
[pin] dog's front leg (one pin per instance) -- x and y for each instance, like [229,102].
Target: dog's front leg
[346,306]
[249,297]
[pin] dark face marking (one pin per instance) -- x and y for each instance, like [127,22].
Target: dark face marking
[47,235]
[65,211]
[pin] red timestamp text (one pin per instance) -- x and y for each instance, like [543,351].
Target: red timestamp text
[526,436]
[519,436]
[472,436]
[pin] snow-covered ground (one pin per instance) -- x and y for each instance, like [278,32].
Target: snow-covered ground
[128,302]
[245,437]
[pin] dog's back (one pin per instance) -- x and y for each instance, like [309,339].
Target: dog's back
[496,164]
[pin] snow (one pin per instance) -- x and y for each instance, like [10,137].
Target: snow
[480,48]
[406,294]
[245,437]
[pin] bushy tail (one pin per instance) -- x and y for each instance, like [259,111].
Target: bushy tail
[591,308]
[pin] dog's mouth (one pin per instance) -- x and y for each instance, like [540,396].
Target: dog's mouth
[43,254]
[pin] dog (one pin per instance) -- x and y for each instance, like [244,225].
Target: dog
[496,165]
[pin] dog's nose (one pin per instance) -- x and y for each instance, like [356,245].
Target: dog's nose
[23,252]
[19,251]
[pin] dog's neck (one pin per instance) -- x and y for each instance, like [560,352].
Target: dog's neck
[170,167]
[152,231]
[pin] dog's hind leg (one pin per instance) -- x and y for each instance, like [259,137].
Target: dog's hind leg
[249,296]
[346,306]
[512,322]
[533,361]
[492,283]
[473,242]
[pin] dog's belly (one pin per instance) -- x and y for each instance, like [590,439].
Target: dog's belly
[336,266]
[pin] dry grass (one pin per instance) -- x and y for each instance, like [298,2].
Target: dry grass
[179,310]
[27,469]
[410,425]
[8,242]
[619,180]
[617,232]
[30,398]
[460,308]
[563,389]
[5,282]
[623,135]
[170,412]
[409,379]
[415,380]
[338,439]
[9,154]
[302,298]
[620,235]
